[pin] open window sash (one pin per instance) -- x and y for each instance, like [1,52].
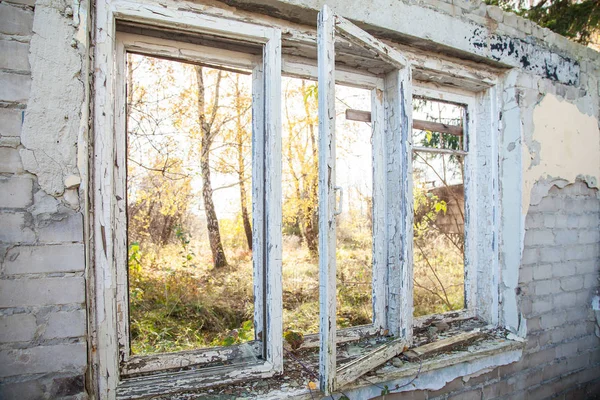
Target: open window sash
[393,204]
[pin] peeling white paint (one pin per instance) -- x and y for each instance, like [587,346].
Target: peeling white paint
[564,146]
[51,125]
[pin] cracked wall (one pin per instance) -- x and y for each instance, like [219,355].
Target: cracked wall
[43,350]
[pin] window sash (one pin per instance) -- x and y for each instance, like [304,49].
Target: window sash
[392,279]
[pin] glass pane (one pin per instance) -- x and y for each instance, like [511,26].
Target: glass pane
[188,204]
[438,244]
[354,177]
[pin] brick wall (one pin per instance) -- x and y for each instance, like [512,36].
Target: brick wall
[42,291]
[558,277]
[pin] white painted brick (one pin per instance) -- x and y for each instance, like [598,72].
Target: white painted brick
[17,328]
[587,343]
[565,236]
[495,13]
[586,221]
[553,320]
[534,220]
[10,122]
[16,192]
[541,237]
[549,220]
[591,236]
[530,256]
[524,25]
[566,349]
[15,20]
[44,259]
[551,254]
[584,297]
[565,300]
[69,229]
[542,272]
[16,55]
[561,220]
[43,359]
[43,291]
[578,361]
[541,306]
[14,87]
[570,284]
[586,267]
[525,274]
[563,269]
[577,314]
[551,204]
[580,252]
[10,160]
[591,281]
[543,288]
[592,204]
[65,325]
[14,229]
[569,331]
[510,19]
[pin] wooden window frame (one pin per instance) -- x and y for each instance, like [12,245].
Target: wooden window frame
[119,374]
[392,201]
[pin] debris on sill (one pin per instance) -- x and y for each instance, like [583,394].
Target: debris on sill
[435,336]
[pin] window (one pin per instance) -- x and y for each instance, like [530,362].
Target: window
[399,150]
[386,155]
[152,161]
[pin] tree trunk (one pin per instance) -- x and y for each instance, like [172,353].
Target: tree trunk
[311,213]
[241,166]
[214,234]
[245,216]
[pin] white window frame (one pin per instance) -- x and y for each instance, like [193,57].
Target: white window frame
[392,200]
[392,187]
[119,374]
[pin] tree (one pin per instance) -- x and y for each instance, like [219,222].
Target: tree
[301,153]
[236,156]
[577,20]
[208,131]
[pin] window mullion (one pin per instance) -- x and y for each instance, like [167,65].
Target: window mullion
[398,120]
[327,235]
[379,211]
[272,206]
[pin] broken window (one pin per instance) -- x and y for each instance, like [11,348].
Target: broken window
[349,165]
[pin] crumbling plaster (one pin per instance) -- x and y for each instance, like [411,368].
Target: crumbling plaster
[564,145]
[468,30]
[51,127]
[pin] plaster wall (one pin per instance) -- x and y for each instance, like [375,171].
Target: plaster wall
[549,166]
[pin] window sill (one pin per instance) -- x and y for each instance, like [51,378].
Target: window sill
[433,374]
